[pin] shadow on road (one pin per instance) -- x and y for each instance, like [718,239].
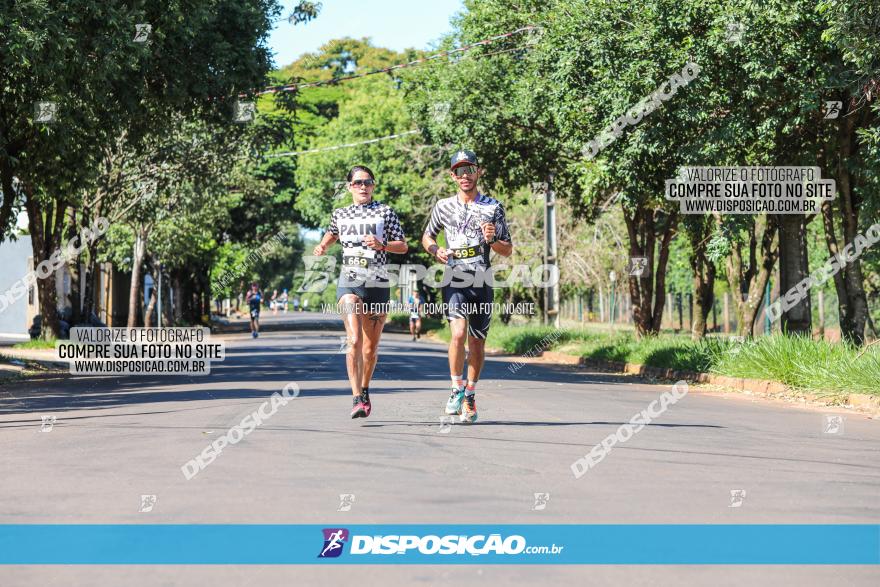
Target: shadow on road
[253,369]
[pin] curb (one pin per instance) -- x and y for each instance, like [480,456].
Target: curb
[860,402]
[47,363]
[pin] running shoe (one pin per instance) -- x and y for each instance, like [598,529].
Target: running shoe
[361,406]
[357,407]
[453,406]
[254,334]
[367,405]
[469,413]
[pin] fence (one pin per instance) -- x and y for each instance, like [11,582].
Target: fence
[679,308]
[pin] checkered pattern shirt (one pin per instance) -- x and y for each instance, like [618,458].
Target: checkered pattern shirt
[352,223]
[461,223]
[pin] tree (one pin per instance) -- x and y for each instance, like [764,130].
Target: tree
[107,82]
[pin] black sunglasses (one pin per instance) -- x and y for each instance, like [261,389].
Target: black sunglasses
[465,170]
[365,182]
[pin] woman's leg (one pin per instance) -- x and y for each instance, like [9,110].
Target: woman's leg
[352,318]
[372,331]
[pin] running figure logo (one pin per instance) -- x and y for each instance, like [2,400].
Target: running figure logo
[737,496]
[147,503]
[833,424]
[48,422]
[334,540]
[541,500]
[833,109]
[346,500]
[636,266]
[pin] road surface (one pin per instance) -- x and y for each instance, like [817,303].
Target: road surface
[116,439]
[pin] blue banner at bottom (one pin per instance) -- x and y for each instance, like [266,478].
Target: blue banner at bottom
[439,544]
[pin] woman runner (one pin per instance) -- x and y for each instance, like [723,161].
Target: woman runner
[368,230]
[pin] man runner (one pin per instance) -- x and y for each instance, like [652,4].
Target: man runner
[254,297]
[473,225]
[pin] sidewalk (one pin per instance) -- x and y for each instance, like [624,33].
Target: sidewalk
[14,363]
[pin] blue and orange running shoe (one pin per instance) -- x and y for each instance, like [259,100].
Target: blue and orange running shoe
[453,405]
[469,413]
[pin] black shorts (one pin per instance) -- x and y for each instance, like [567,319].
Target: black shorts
[255,313]
[375,298]
[472,303]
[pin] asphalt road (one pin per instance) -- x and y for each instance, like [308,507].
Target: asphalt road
[115,439]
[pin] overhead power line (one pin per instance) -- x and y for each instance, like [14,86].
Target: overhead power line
[335,147]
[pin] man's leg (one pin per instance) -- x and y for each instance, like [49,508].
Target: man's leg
[476,357]
[478,330]
[458,327]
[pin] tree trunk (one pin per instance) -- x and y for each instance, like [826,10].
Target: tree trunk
[148,315]
[73,268]
[46,224]
[151,305]
[704,279]
[137,260]
[750,281]
[853,303]
[648,291]
[91,268]
[793,268]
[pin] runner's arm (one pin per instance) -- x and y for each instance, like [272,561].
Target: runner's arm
[434,249]
[395,239]
[503,244]
[429,237]
[330,237]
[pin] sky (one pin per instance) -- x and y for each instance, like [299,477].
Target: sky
[395,24]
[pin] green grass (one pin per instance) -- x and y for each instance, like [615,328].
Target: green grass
[665,351]
[799,362]
[805,364]
[36,344]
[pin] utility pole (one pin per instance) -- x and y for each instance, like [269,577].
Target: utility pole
[551,293]
[160,294]
[612,276]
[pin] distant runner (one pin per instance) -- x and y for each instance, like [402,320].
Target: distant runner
[415,316]
[368,230]
[253,299]
[473,224]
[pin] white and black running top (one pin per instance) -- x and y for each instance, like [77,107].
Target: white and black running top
[461,222]
[352,223]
